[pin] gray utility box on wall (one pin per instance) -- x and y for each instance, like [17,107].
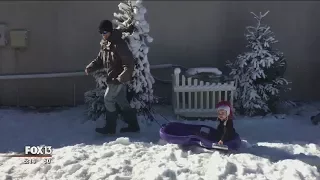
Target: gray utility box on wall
[18,38]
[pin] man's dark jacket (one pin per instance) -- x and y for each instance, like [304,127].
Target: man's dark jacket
[116,57]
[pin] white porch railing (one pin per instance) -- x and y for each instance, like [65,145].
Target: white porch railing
[194,98]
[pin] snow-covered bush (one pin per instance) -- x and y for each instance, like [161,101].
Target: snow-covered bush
[94,98]
[258,73]
[206,74]
[95,102]
[135,30]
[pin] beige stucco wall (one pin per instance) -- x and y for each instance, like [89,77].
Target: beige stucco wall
[63,37]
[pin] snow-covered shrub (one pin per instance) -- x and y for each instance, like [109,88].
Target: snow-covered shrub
[94,98]
[135,30]
[206,74]
[95,102]
[258,73]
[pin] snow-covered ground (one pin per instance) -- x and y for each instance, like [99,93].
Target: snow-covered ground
[287,147]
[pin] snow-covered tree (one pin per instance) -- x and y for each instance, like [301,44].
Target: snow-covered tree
[135,28]
[258,73]
[94,99]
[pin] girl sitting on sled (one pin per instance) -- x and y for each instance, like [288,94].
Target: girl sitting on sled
[225,129]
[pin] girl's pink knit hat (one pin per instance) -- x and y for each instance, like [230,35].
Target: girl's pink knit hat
[225,105]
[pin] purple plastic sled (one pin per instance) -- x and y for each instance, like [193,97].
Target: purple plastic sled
[189,134]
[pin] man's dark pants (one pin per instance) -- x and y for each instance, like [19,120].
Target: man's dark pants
[116,94]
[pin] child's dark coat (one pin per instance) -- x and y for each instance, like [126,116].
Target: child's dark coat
[226,130]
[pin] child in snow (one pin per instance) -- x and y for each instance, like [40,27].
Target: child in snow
[225,128]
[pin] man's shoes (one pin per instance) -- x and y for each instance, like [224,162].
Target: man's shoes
[105,131]
[130,129]
[130,117]
[111,124]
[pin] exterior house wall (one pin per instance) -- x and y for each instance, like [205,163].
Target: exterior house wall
[64,37]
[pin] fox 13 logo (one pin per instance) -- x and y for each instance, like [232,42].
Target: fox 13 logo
[38,150]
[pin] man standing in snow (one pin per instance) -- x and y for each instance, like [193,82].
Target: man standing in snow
[116,57]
